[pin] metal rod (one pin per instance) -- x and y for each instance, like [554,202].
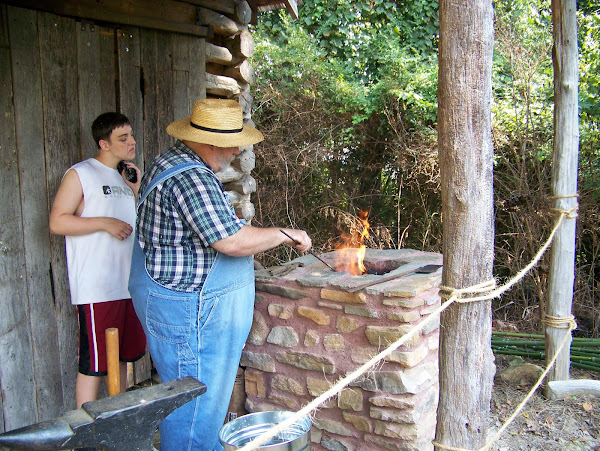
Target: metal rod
[311,253]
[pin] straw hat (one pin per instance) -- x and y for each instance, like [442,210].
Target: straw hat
[217,122]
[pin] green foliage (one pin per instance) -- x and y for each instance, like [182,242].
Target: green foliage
[355,36]
[358,86]
[589,100]
[347,97]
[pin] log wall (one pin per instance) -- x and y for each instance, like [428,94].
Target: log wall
[229,75]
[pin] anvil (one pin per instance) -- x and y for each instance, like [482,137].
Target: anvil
[123,422]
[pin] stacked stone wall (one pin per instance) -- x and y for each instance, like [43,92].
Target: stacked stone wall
[309,331]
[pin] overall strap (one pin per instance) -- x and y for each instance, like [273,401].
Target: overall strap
[167,174]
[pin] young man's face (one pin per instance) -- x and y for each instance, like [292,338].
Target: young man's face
[120,143]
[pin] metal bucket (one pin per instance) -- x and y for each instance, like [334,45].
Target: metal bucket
[239,432]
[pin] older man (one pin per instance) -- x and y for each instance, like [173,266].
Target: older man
[192,275]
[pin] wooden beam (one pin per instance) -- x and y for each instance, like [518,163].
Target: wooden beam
[220,23]
[223,6]
[254,8]
[466,158]
[564,184]
[292,8]
[165,15]
[564,389]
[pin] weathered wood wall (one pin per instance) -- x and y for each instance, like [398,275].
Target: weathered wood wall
[56,75]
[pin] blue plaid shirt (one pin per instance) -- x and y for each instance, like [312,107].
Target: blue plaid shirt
[181,218]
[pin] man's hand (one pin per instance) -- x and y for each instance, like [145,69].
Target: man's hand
[300,239]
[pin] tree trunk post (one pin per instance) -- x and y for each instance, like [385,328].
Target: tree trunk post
[564,185]
[466,164]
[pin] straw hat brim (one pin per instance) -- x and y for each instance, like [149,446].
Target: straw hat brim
[182,129]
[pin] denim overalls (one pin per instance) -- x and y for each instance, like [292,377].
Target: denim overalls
[199,334]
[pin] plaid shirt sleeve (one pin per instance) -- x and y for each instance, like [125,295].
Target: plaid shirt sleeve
[204,206]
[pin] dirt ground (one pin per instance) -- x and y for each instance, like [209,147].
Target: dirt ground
[569,424]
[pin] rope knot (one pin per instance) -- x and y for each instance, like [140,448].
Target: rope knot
[560,322]
[473,293]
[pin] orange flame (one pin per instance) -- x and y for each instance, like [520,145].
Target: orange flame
[351,259]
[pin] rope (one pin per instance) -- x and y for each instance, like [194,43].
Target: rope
[480,292]
[566,338]
[564,196]
[465,295]
[560,322]
[521,405]
[507,286]
[571,214]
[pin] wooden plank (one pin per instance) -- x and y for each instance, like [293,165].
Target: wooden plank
[58,52]
[88,86]
[158,97]
[96,88]
[164,84]
[130,101]
[181,76]
[108,76]
[567,388]
[224,6]
[197,77]
[16,353]
[18,403]
[292,8]
[189,77]
[148,61]
[181,95]
[27,85]
[142,369]
[133,84]
[180,53]
[167,15]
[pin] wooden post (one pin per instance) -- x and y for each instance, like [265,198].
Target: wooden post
[466,166]
[564,181]
[112,361]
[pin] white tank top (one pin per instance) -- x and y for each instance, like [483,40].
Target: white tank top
[99,263]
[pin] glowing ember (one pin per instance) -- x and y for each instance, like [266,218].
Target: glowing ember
[352,255]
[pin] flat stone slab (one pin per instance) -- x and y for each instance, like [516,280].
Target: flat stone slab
[308,271]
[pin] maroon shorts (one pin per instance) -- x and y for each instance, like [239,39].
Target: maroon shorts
[94,319]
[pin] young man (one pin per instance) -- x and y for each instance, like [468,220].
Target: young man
[94,208]
[192,275]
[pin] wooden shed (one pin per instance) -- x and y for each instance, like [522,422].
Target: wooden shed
[62,63]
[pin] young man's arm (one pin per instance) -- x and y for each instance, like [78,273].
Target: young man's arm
[67,206]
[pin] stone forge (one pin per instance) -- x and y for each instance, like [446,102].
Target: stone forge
[309,331]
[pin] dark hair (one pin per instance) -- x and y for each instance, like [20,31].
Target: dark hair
[103,125]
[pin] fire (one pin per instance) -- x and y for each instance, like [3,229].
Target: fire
[352,255]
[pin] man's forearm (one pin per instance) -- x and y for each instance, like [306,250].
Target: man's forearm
[251,240]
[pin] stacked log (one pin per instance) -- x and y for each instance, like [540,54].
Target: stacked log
[229,75]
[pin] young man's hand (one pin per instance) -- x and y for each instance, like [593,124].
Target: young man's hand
[117,228]
[135,187]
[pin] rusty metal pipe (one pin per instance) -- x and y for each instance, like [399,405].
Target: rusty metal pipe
[310,252]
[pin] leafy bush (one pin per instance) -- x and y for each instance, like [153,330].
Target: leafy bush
[347,97]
